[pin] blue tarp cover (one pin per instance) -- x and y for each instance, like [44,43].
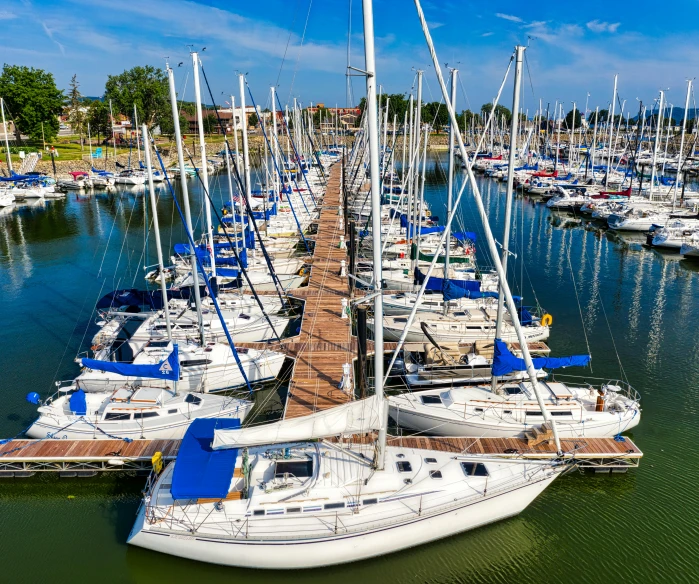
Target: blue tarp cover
[132,297]
[200,472]
[451,291]
[438,283]
[167,369]
[78,403]
[505,362]
[464,235]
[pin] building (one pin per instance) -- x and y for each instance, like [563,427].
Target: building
[226,115]
[348,116]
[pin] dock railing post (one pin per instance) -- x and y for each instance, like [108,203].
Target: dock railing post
[352,249]
[362,349]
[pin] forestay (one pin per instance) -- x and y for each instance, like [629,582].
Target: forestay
[353,418]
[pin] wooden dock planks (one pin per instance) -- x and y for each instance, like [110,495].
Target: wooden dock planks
[76,450]
[325,342]
[95,450]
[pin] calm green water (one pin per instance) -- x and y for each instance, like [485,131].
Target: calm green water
[56,259]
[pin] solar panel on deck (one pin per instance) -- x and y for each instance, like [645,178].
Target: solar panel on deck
[200,472]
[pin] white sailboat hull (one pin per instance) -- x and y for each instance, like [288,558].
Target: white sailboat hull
[475,427]
[342,547]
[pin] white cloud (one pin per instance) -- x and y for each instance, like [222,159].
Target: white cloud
[536,24]
[434,25]
[49,33]
[487,34]
[599,26]
[5,15]
[509,17]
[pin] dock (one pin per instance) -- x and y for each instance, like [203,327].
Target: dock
[325,341]
[86,458]
[323,345]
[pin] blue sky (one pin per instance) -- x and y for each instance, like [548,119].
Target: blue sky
[575,49]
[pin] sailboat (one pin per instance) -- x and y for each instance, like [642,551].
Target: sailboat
[515,407]
[268,497]
[144,399]
[284,496]
[130,411]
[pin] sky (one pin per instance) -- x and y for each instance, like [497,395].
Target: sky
[301,47]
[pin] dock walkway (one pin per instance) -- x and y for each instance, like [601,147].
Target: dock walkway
[24,458]
[325,341]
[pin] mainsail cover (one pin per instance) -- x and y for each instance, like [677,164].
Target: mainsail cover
[167,368]
[355,417]
[505,362]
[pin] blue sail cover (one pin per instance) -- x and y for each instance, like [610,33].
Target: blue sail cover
[438,283]
[464,236]
[504,362]
[133,297]
[78,403]
[167,369]
[17,177]
[200,472]
[451,291]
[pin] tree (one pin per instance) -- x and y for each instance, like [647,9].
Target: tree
[210,123]
[319,116]
[188,107]
[500,111]
[146,88]
[253,120]
[77,116]
[98,118]
[168,128]
[435,114]
[569,119]
[32,99]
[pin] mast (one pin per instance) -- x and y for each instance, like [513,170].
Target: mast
[7,142]
[679,158]
[204,165]
[371,110]
[156,229]
[273,144]
[416,175]
[246,154]
[658,124]
[519,50]
[89,143]
[572,138]
[185,200]
[611,134]
[492,246]
[558,137]
[409,182]
[594,143]
[237,169]
[230,194]
[450,185]
[135,119]
[111,117]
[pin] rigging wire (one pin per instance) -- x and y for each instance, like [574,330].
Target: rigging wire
[298,56]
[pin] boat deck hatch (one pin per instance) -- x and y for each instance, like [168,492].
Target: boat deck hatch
[297,468]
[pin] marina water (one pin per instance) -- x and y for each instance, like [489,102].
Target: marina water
[634,307]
